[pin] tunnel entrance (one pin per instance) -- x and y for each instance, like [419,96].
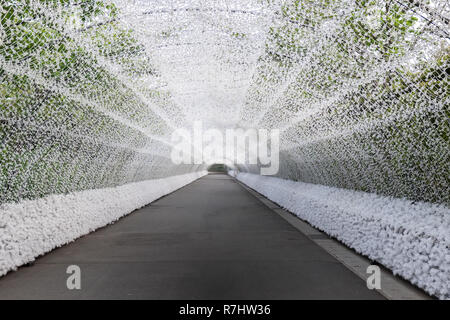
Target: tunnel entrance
[217,168]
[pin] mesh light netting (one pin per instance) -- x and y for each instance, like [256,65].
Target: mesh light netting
[91,90]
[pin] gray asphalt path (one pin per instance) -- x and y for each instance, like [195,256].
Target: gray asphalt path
[211,239]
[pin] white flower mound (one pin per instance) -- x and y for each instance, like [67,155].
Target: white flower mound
[33,227]
[411,239]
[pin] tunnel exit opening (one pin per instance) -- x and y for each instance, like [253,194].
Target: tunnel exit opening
[217,168]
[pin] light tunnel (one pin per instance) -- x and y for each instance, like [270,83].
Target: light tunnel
[346,100]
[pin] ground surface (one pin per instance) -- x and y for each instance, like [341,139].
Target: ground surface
[209,240]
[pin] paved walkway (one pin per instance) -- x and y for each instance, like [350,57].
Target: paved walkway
[209,240]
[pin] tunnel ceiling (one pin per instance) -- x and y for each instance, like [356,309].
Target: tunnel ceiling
[92,90]
[206,53]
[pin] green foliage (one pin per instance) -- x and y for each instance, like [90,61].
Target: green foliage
[392,124]
[57,94]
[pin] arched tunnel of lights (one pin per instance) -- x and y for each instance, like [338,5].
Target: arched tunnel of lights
[91,91]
